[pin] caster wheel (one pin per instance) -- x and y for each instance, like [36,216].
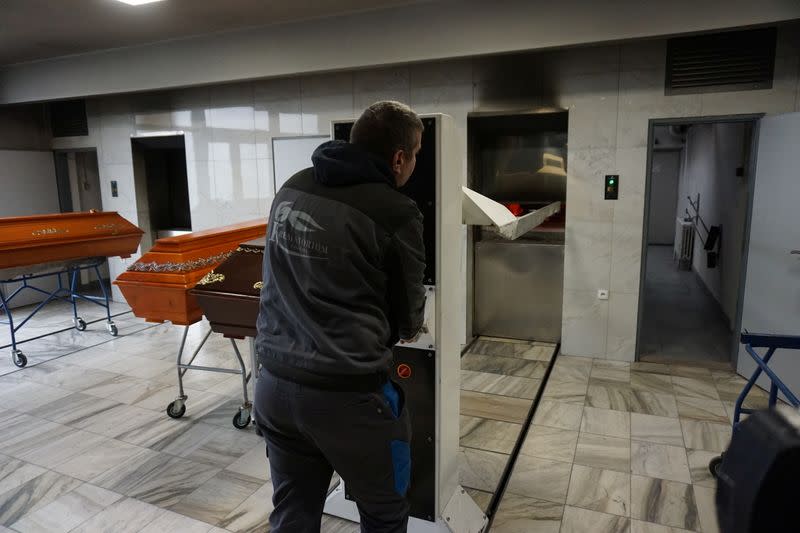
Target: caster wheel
[713,466]
[241,419]
[19,358]
[80,324]
[112,329]
[176,409]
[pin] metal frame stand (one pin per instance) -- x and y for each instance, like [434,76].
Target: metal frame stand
[177,408]
[771,343]
[65,294]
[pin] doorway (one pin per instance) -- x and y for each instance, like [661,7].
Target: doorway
[697,205]
[78,181]
[161,187]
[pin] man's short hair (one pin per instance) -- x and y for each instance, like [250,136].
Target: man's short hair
[385,127]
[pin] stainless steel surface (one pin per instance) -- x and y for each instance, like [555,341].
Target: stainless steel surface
[522,169]
[518,157]
[536,235]
[519,290]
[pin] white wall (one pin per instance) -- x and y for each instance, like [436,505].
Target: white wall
[28,185]
[713,153]
[611,93]
[421,32]
[665,171]
[29,178]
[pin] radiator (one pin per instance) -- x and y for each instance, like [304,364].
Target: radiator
[684,243]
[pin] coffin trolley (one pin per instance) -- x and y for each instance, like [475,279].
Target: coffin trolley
[58,247]
[229,297]
[161,287]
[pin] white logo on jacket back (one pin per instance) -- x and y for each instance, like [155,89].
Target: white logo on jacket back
[299,220]
[290,227]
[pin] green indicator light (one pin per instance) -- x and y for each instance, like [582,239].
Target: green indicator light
[611,182]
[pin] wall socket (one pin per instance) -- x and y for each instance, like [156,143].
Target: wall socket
[602,294]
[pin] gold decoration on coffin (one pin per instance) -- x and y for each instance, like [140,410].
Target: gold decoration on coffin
[48,231]
[113,228]
[249,250]
[211,277]
[186,266]
[258,285]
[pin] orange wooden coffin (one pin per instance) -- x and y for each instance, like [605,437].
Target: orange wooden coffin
[40,239]
[156,286]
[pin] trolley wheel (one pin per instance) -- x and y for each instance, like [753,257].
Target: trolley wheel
[241,419]
[176,409]
[112,329]
[713,466]
[19,358]
[80,324]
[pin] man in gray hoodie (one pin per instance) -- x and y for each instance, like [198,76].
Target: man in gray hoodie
[343,273]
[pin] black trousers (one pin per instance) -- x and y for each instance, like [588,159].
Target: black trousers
[310,433]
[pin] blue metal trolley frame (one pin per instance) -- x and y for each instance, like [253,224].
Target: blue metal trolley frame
[62,293]
[772,343]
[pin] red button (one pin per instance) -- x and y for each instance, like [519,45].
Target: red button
[404,371]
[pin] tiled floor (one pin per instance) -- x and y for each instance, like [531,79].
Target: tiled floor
[499,380]
[58,316]
[626,450]
[85,445]
[682,321]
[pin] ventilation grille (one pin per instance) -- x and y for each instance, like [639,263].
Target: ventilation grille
[68,119]
[730,61]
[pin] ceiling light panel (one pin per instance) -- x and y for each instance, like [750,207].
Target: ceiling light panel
[138,2]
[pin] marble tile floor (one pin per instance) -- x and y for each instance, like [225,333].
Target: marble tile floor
[499,380]
[85,444]
[629,455]
[58,316]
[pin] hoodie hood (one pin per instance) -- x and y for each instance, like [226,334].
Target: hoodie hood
[339,163]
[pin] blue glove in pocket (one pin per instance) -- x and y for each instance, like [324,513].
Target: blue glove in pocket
[401,463]
[392,397]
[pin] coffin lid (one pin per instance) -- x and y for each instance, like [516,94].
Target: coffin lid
[207,238]
[38,239]
[194,252]
[62,228]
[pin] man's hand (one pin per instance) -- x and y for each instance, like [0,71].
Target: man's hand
[416,336]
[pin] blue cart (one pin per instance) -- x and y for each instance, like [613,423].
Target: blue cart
[771,343]
[69,293]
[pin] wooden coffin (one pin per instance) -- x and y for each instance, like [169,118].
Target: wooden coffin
[229,295]
[157,285]
[43,239]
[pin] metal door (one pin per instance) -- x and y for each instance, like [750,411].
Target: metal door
[772,287]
